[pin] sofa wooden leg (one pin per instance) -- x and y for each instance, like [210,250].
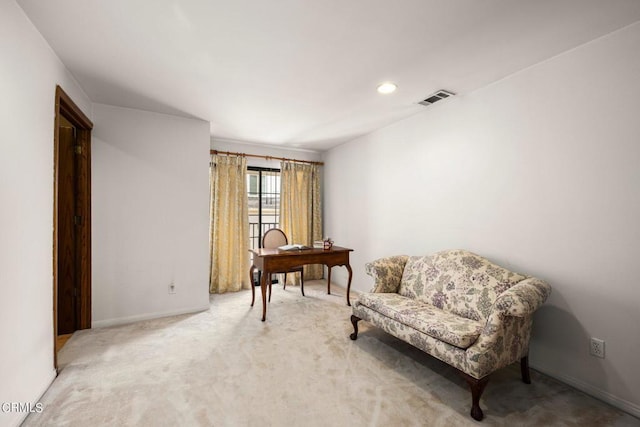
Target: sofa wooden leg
[354,322]
[477,387]
[524,369]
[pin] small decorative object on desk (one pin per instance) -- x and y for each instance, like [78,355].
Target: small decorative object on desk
[318,244]
[328,243]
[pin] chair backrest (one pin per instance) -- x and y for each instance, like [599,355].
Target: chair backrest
[274,238]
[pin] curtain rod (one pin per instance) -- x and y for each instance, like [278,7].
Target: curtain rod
[229,153]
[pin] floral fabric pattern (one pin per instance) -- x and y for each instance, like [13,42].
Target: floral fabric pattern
[457,281]
[456,306]
[386,272]
[452,329]
[500,343]
[524,298]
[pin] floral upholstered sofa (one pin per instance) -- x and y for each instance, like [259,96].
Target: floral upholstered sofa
[458,307]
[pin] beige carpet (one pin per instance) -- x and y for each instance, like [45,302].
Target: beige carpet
[225,367]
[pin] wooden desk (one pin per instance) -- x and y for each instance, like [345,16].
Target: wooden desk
[274,260]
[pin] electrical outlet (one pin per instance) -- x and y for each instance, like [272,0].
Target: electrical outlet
[172,288]
[597,347]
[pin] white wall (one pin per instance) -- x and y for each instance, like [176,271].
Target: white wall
[29,73]
[150,195]
[539,172]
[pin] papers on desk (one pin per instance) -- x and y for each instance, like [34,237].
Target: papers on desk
[294,247]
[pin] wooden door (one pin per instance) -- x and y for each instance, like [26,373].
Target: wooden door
[71,219]
[68,222]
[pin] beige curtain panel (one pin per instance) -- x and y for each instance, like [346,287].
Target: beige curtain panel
[301,210]
[229,229]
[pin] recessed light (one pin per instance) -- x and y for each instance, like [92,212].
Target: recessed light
[387,87]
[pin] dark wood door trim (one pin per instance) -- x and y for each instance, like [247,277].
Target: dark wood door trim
[64,106]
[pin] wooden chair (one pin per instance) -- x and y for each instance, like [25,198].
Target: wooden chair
[274,238]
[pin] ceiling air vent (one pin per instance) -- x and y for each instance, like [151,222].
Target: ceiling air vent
[437,96]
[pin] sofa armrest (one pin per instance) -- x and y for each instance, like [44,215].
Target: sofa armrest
[505,337]
[523,299]
[387,273]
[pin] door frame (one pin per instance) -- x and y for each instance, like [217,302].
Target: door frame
[64,106]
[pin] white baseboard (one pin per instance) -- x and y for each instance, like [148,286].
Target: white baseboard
[624,405]
[147,316]
[48,381]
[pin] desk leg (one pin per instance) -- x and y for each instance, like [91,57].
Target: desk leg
[263,290]
[349,284]
[253,288]
[329,283]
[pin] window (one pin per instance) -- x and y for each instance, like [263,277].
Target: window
[263,191]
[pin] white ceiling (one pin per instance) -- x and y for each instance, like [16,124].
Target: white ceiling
[303,73]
